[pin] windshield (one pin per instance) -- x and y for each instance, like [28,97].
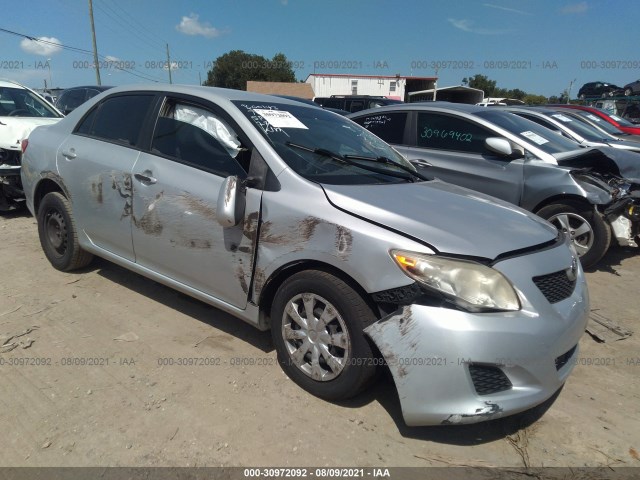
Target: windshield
[599,122]
[585,130]
[19,102]
[543,138]
[622,121]
[326,148]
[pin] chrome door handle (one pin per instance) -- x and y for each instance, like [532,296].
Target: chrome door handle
[70,154]
[145,177]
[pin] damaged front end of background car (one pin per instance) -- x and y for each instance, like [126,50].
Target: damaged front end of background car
[617,176]
[11,192]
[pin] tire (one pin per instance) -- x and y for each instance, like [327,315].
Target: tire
[590,234]
[345,363]
[58,234]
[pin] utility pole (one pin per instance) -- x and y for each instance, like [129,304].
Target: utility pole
[435,86]
[95,47]
[569,89]
[169,63]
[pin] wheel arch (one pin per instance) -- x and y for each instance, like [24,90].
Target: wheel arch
[45,186]
[568,199]
[277,278]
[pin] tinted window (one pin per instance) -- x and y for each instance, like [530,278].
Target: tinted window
[84,127]
[387,126]
[446,132]
[189,138]
[119,119]
[333,103]
[71,99]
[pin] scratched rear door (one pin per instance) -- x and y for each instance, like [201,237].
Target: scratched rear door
[95,163]
[175,190]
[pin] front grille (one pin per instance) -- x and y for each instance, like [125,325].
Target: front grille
[562,360]
[556,286]
[487,379]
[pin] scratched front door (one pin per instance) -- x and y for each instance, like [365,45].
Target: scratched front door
[174,216]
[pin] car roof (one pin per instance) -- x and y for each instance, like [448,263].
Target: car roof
[417,106]
[10,83]
[214,94]
[96,87]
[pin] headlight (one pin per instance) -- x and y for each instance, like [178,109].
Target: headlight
[471,285]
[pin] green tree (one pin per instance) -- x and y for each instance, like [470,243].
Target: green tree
[481,82]
[530,99]
[235,68]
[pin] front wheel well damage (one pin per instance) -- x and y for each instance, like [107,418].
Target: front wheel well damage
[274,282]
[580,203]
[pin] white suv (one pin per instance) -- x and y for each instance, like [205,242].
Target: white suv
[21,110]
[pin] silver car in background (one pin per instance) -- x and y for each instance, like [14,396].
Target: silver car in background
[591,194]
[298,220]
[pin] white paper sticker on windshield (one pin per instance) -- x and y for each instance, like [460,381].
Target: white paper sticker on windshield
[561,117]
[534,137]
[279,118]
[593,117]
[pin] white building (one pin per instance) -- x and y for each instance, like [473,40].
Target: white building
[395,87]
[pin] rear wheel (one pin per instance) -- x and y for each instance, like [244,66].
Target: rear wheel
[58,234]
[317,323]
[589,233]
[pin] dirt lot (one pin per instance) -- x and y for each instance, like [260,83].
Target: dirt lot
[130,407]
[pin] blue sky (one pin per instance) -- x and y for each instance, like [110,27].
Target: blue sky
[539,46]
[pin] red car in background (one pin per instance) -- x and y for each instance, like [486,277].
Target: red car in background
[615,120]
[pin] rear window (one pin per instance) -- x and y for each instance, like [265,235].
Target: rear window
[117,119]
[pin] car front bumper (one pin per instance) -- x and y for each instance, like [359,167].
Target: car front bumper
[431,351]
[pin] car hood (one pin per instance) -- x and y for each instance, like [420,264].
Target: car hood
[451,219]
[14,129]
[604,160]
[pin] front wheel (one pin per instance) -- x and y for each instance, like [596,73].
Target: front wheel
[586,228]
[317,323]
[58,234]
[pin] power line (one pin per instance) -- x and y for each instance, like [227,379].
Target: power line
[84,52]
[140,24]
[127,28]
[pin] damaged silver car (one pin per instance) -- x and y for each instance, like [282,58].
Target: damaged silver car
[591,194]
[21,110]
[297,220]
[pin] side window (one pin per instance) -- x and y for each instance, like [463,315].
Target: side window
[446,132]
[118,119]
[389,126]
[540,121]
[70,100]
[199,138]
[84,127]
[355,105]
[334,103]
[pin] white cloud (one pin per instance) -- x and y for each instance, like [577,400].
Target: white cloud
[45,46]
[506,9]
[468,26]
[580,7]
[191,25]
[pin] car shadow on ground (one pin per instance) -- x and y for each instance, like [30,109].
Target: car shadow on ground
[614,258]
[182,303]
[384,392]
[21,212]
